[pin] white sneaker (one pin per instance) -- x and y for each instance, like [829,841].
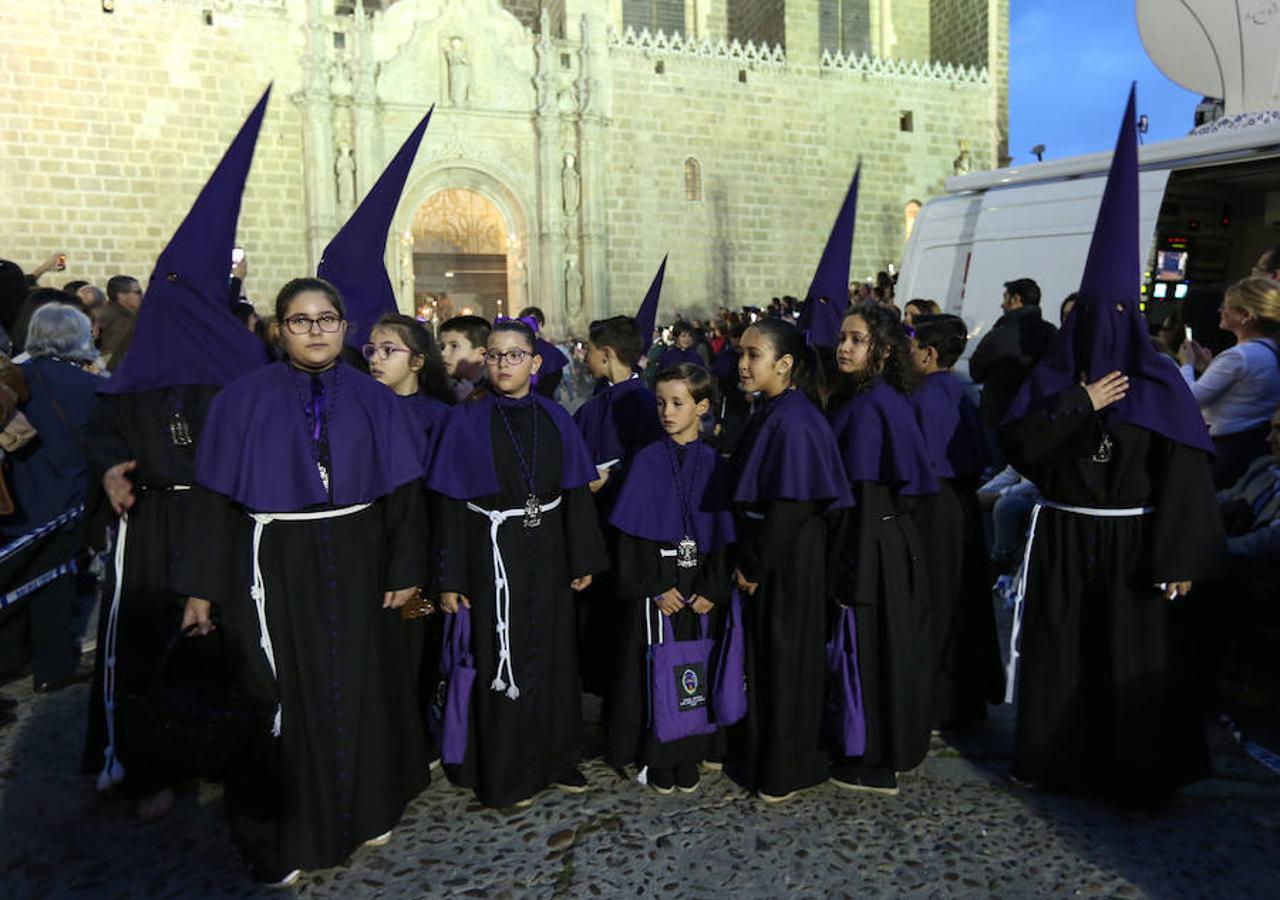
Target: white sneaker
[380,841]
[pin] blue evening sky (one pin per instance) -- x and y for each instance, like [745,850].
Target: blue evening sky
[1070,64]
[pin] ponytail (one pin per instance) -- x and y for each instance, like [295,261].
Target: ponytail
[787,340]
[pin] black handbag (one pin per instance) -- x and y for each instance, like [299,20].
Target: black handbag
[196,727]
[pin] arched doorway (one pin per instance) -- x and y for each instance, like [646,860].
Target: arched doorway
[460,256]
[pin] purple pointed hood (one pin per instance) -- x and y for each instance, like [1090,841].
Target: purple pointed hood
[647,317]
[1106,331]
[185,334]
[354,261]
[828,296]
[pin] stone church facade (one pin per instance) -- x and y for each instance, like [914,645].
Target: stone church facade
[574,142]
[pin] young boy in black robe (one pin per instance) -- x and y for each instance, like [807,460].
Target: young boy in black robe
[967,652]
[615,424]
[517,537]
[674,524]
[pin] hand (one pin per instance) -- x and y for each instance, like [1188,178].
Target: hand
[1174,589]
[670,601]
[397,599]
[240,269]
[1107,390]
[119,488]
[599,482]
[197,613]
[49,264]
[701,605]
[449,601]
[581,584]
[747,587]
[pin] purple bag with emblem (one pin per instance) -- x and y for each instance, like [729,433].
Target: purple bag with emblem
[728,672]
[845,712]
[459,676]
[678,689]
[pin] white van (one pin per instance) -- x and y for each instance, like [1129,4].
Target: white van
[1210,205]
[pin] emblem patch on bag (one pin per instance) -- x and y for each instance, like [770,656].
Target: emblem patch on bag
[691,686]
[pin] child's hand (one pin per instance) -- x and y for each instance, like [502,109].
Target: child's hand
[449,601]
[599,482]
[581,584]
[670,601]
[397,599]
[701,605]
[747,587]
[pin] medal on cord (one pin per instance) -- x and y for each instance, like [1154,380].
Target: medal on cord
[532,506]
[686,547]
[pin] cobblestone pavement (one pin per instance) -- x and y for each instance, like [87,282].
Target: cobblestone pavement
[958,828]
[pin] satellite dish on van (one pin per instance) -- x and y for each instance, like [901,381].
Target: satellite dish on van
[1230,51]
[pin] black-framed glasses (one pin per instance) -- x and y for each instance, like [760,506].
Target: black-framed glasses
[511,357]
[329,323]
[382,351]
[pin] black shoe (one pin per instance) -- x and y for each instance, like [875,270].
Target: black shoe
[875,781]
[662,780]
[572,782]
[274,878]
[8,704]
[687,778]
[52,687]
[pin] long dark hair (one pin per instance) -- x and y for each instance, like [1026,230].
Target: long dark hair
[787,340]
[433,379]
[888,354]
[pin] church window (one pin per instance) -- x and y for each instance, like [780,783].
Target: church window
[655,15]
[692,180]
[844,26]
[906,121]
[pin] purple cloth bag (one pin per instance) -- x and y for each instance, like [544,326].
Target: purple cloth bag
[678,686]
[459,677]
[728,671]
[845,711]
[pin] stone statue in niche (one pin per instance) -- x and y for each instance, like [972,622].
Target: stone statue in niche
[572,184]
[455,55]
[963,163]
[568,100]
[573,286]
[344,167]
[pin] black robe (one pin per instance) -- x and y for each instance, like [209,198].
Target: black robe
[351,753]
[779,747]
[515,748]
[877,568]
[1102,695]
[967,670]
[647,574]
[142,426]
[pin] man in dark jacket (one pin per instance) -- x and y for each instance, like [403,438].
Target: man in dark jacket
[1011,349]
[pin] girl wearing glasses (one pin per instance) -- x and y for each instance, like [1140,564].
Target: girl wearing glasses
[875,553]
[402,355]
[308,479]
[517,536]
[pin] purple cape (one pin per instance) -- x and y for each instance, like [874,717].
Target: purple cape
[675,356]
[649,508]
[788,452]
[428,414]
[619,420]
[828,295]
[954,436]
[462,460]
[1106,332]
[881,442]
[552,359]
[256,444]
[354,260]
[647,316]
[185,334]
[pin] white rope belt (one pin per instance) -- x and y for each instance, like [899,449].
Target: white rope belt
[753,515]
[259,589]
[502,594]
[112,768]
[1020,582]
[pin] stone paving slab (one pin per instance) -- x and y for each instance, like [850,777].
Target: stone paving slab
[957,829]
